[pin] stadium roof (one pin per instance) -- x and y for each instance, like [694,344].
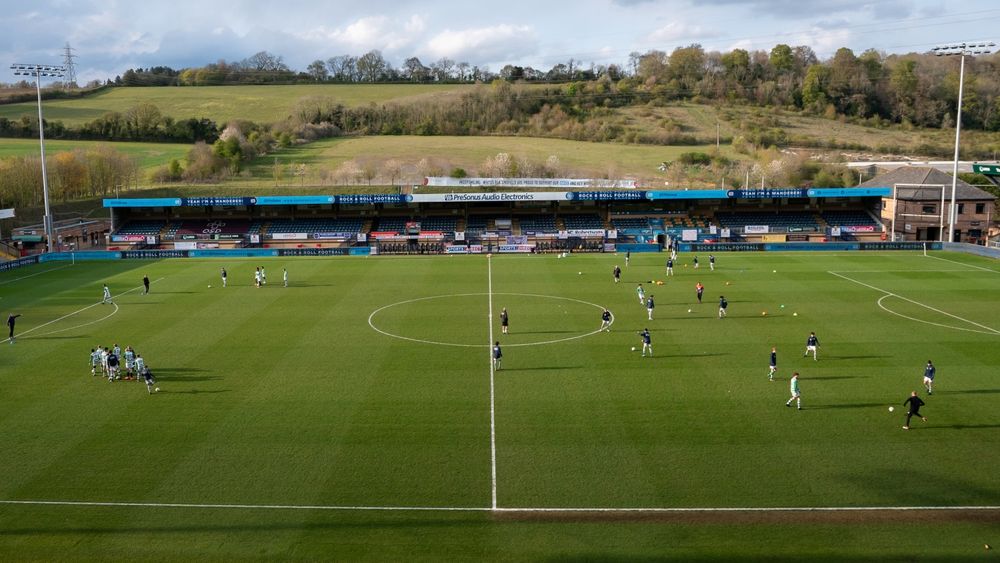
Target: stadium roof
[926,175]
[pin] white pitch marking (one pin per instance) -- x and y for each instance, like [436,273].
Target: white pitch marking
[5,282]
[889,293]
[422,341]
[233,506]
[493,418]
[67,315]
[991,270]
[888,310]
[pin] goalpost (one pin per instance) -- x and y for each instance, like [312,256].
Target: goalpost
[939,214]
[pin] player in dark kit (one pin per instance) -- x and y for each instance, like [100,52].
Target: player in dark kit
[504,320]
[670,266]
[698,290]
[647,342]
[11,319]
[145,284]
[723,305]
[915,403]
[929,372]
[606,321]
[497,355]
[812,345]
[618,274]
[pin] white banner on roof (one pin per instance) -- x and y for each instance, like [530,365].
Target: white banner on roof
[289,236]
[562,183]
[585,232]
[489,197]
[756,229]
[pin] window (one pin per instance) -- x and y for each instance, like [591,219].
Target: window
[930,209]
[980,208]
[961,209]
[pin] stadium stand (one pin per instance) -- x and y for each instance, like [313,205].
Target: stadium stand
[144,228]
[442,224]
[632,223]
[391,224]
[583,222]
[788,220]
[545,224]
[309,226]
[845,218]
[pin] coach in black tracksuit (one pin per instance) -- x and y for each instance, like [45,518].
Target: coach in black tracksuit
[10,322]
[915,403]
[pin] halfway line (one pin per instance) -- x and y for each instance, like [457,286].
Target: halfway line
[345,508]
[493,418]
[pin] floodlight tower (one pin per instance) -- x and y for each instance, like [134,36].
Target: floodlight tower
[960,49]
[38,71]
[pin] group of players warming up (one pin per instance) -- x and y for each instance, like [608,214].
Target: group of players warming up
[117,365]
[812,345]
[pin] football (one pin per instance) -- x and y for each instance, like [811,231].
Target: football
[892,409]
[689,310]
[209,286]
[795,314]
[633,348]
[157,389]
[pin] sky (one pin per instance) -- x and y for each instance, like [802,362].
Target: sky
[111,36]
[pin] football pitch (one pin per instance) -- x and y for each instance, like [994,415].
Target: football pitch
[357,414]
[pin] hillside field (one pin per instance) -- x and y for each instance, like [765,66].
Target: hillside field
[149,155]
[263,104]
[356,413]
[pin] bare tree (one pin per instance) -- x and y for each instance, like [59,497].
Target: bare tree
[317,69]
[371,66]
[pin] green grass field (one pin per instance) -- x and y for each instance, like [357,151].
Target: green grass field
[149,155]
[263,104]
[318,421]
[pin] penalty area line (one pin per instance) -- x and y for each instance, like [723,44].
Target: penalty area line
[367,508]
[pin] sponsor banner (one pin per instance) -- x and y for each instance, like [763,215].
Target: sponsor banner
[611,196]
[586,232]
[153,254]
[797,238]
[313,251]
[609,247]
[456,249]
[254,239]
[228,236]
[459,235]
[756,229]
[728,247]
[486,197]
[774,238]
[850,192]
[230,201]
[383,234]
[185,245]
[296,200]
[562,183]
[207,245]
[517,240]
[475,249]
[12,264]
[768,193]
[412,227]
[563,235]
[899,245]
[289,236]
[613,233]
[687,194]
[144,202]
[858,229]
[128,238]
[338,236]
[725,233]
[362,237]
[504,224]
[6,213]
[689,234]
[429,235]
[522,248]
[370,199]
[834,231]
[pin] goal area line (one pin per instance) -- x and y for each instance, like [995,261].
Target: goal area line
[509,510]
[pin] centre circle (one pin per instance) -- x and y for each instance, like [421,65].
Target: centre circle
[535,319]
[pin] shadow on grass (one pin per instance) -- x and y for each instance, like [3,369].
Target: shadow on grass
[847,406]
[54,337]
[545,368]
[834,377]
[833,357]
[971,392]
[704,355]
[199,392]
[960,427]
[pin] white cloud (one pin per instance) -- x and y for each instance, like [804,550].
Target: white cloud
[680,32]
[489,44]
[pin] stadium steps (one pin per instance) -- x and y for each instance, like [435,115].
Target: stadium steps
[823,225]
